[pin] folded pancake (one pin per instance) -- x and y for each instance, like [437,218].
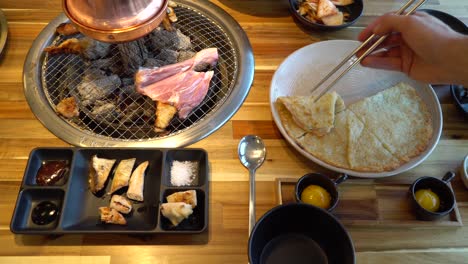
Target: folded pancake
[137,182]
[331,148]
[378,133]
[398,118]
[111,216]
[121,204]
[288,122]
[122,174]
[188,197]
[99,172]
[176,212]
[365,151]
[314,117]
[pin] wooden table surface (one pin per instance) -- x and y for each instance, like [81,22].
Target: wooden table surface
[274,36]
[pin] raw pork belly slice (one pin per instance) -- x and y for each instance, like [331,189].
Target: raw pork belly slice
[182,85]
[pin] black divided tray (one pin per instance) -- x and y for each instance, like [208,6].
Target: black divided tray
[78,206]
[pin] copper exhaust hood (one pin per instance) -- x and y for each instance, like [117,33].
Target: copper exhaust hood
[115,21]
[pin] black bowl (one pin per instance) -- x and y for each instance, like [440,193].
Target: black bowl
[300,233]
[457,91]
[322,181]
[460,97]
[451,21]
[439,187]
[354,10]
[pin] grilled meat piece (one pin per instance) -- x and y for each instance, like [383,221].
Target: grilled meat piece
[69,46]
[120,203]
[66,29]
[111,216]
[95,86]
[99,172]
[176,212]
[132,56]
[68,108]
[178,84]
[137,182]
[188,197]
[164,115]
[89,48]
[167,24]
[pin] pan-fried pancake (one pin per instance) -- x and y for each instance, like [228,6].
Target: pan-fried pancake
[332,147]
[315,117]
[398,118]
[289,124]
[365,151]
[376,134]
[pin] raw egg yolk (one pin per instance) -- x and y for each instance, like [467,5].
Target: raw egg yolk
[428,199]
[317,196]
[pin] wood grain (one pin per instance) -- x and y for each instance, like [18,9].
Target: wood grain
[273,35]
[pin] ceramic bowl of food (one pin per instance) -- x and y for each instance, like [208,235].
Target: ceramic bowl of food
[432,198]
[318,190]
[326,14]
[300,233]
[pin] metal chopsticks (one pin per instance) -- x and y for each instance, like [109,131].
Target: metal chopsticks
[367,52]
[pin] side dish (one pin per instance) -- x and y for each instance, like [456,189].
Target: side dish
[183,173]
[179,206]
[317,196]
[51,172]
[324,11]
[428,199]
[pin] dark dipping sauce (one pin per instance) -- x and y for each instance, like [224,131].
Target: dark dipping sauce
[44,213]
[51,172]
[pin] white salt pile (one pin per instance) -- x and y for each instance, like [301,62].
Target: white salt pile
[183,172]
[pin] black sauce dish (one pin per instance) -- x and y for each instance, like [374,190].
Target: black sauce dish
[300,233]
[323,181]
[354,10]
[439,187]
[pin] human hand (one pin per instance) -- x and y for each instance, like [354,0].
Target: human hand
[421,46]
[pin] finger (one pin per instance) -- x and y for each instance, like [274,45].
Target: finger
[369,30]
[365,33]
[386,63]
[392,52]
[393,40]
[389,23]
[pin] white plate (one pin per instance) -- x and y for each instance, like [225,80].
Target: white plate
[306,67]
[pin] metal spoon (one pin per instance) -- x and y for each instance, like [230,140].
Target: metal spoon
[251,153]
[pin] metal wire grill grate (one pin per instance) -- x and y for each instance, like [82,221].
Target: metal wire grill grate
[122,114]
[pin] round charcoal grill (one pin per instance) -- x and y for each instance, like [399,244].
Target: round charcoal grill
[128,119]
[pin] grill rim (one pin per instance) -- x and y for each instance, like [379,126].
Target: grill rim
[38,102]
